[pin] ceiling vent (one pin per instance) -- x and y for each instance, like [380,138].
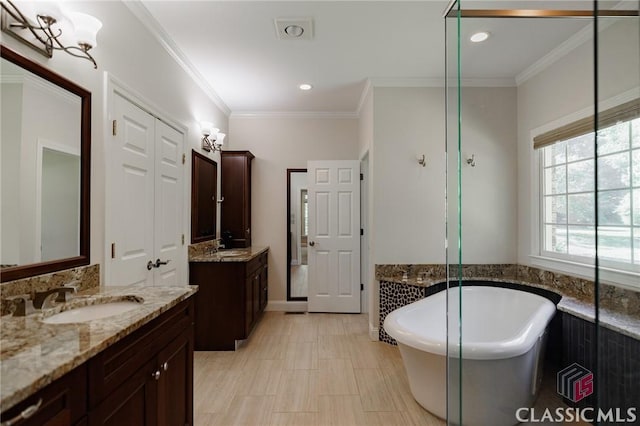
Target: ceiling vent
[294,28]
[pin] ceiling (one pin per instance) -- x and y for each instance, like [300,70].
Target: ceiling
[234,46]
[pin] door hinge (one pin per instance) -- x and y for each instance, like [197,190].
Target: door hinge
[361,287]
[113,250]
[182,239]
[114,127]
[361,231]
[361,176]
[184,158]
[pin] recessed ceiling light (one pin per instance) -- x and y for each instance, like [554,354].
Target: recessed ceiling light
[479,37]
[294,30]
[305,86]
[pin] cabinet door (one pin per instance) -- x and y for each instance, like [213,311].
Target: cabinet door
[257,290]
[134,403]
[249,317]
[264,285]
[175,390]
[61,403]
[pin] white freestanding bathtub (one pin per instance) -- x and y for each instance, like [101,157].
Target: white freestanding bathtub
[503,339]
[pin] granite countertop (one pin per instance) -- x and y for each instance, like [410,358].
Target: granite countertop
[230,255]
[34,354]
[616,321]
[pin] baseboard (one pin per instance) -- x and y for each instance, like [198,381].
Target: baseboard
[374,333]
[284,306]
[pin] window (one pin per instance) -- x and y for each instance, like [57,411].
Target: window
[568,194]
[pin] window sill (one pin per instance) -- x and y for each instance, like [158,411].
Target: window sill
[625,279]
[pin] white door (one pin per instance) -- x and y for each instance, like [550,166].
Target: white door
[132,189]
[168,204]
[146,189]
[334,236]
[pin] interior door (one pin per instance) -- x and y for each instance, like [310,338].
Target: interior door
[334,236]
[168,204]
[132,194]
[147,194]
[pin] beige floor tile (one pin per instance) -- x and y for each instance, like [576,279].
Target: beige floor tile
[207,419]
[301,356]
[390,418]
[294,419]
[330,324]
[333,347]
[365,353]
[214,390]
[340,410]
[249,410]
[374,393]
[261,378]
[297,391]
[336,377]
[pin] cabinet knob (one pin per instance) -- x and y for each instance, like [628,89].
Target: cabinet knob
[156,375]
[24,414]
[165,366]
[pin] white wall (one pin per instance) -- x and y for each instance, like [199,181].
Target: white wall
[408,202]
[136,58]
[564,92]
[279,143]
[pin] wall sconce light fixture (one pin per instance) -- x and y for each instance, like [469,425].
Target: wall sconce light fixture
[212,138]
[43,26]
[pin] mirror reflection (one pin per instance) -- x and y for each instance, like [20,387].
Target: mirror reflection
[40,164]
[298,225]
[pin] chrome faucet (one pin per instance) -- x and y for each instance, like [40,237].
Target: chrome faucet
[42,299]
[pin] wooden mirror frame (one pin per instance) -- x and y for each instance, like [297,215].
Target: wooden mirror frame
[195,189]
[289,297]
[30,270]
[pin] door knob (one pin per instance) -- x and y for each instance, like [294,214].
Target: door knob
[150,265]
[312,243]
[159,263]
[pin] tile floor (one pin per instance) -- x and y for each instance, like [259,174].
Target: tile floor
[309,369]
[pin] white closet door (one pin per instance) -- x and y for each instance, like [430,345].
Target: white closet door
[132,194]
[334,236]
[168,204]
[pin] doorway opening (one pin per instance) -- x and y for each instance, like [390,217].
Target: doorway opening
[297,235]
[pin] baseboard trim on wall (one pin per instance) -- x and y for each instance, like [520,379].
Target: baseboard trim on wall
[284,306]
[374,333]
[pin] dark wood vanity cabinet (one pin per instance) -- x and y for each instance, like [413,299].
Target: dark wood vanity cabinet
[147,377]
[63,402]
[231,299]
[235,215]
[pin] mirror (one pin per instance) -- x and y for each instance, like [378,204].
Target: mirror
[297,230]
[204,183]
[45,152]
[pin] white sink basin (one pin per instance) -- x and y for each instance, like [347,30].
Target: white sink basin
[92,312]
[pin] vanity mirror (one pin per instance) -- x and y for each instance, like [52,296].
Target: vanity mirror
[46,157]
[204,184]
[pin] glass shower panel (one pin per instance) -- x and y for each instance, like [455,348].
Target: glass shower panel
[617,370]
[453,194]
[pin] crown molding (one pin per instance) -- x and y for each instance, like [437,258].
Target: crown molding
[563,49]
[295,114]
[146,18]
[368,87]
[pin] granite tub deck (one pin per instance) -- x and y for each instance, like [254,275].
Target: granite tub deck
[619,309]
[224,255]
[34,354]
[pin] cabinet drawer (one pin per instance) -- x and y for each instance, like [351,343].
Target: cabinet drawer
[63,401]
[252,266]
[112,367]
